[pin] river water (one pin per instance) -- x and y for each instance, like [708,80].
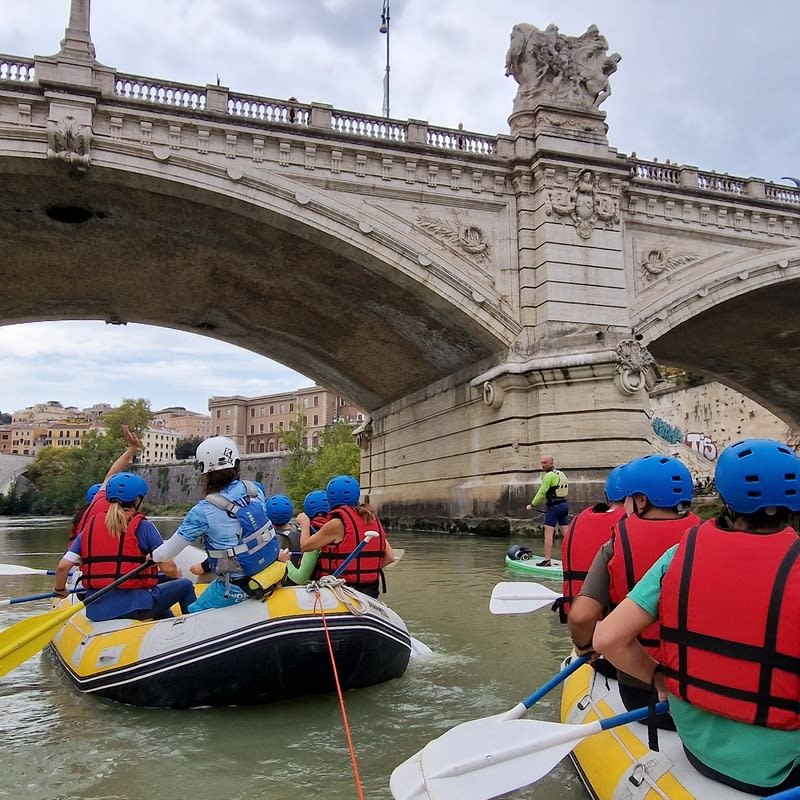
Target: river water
[57,743]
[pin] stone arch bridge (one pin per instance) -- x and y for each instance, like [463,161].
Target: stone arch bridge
[487,299]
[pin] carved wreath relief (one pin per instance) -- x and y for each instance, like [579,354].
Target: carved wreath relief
[584,203]
[636,367]
[68,140]
[466,237]
[656,260]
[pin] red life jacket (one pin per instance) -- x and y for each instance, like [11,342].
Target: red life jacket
[587,533]
[99,505]
[105,558]
[638,544]
[730,639]
[365,568]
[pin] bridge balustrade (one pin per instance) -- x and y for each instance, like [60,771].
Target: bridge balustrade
[782,194]
[168,95]
[269,110]
[713,182]
[15,69]
[370,127]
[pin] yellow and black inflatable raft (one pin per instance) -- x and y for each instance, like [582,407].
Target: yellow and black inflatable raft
[617,764]
[257,651]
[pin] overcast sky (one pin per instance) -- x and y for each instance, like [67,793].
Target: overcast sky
[706,82]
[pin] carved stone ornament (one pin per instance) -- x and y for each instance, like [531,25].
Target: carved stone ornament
[558,70]
[636,368]
[584,204]
[68,140]
[363,433]
[656,260]
[468,238]
[493,394]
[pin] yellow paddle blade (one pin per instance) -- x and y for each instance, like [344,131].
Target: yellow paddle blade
[23,640]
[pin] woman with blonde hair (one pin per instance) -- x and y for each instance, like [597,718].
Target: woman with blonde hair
[115,543]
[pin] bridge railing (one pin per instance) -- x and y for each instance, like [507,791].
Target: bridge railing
[17,69]
[184,95]
[686,177]
[269,110]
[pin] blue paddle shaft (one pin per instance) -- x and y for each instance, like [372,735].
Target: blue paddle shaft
[788,794]
[358,548]
[633,716]
[555,680]
[15,600]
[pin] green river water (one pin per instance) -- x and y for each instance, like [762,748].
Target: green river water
[57,743]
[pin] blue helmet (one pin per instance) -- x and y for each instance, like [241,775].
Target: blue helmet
[664,480]
[316,502]
[343,490]
[758,473]
[126,487]
[615,486]
[92,491]
[279,509]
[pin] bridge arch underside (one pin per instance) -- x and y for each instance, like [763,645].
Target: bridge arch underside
[161,252]
[750,342]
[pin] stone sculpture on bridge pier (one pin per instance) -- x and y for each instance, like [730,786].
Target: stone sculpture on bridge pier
[485,298]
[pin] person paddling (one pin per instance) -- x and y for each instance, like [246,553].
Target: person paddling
[114,543]
[727,598]
[336,539]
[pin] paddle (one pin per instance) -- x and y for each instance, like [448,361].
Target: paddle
[477,762]
[513,713]
[368,537]
[517,597]
[15,569]
[23,640]
[398,554]
[14,600]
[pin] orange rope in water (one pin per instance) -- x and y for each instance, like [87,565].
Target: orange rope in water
[353,759]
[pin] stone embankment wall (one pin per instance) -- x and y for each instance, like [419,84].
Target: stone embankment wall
[704,420]
[179,483]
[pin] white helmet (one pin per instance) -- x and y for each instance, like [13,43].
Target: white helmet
[218,452]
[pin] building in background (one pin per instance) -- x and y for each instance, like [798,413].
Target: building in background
[255,423]
[157,445]
[96,412]
[5,438]
[188,424]
[67,433]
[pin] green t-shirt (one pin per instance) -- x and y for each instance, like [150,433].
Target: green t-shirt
[748,753]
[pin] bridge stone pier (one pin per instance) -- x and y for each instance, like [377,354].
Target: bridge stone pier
[487,299]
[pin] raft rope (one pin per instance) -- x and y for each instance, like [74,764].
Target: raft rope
[339,591]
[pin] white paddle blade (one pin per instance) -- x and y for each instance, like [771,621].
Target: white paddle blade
[16,569]
[485,758]
[519,597]
[420,649]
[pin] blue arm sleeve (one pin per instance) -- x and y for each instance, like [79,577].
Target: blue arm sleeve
[148,536]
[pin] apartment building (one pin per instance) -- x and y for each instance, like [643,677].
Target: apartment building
[5,438]
[188,424]
[255,423]
[157,445]
[67,433]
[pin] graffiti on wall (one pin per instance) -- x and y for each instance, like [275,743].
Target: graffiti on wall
[702,445]
[669,433]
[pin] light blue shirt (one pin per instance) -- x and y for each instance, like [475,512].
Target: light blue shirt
[212,527]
